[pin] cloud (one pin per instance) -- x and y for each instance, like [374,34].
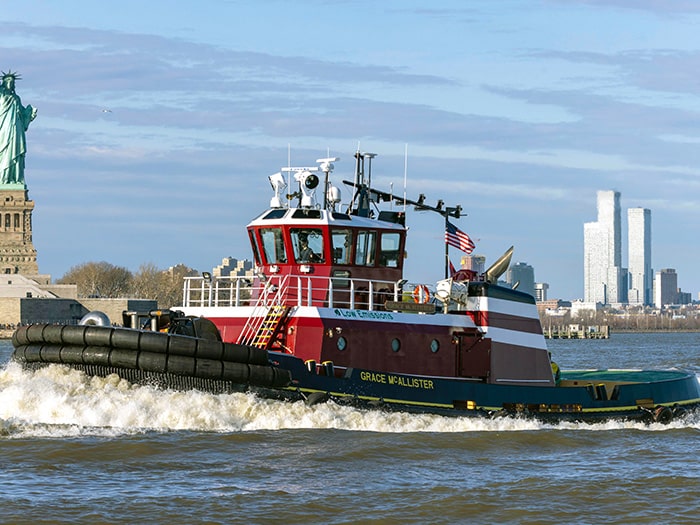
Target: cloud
[661,7]
[178,167]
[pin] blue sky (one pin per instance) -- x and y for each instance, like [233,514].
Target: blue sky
[517,110]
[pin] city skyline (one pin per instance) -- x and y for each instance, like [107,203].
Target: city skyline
[606,280]
[158,127]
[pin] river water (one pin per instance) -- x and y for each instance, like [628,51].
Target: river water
[80,450]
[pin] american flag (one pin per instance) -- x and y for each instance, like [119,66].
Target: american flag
[457,238]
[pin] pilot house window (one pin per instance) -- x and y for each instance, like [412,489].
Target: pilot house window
[342,245]
[273,245]
[254,244]
[390,245]
[365,248]
[307,244]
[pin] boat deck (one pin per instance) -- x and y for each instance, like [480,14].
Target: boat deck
[620,376]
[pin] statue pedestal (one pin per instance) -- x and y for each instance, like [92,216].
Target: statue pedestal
[17,252]
[14,187]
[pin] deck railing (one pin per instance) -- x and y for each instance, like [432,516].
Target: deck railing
[293,290]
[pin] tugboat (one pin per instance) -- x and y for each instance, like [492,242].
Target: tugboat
[330,316]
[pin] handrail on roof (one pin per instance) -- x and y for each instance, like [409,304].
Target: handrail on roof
[298,290]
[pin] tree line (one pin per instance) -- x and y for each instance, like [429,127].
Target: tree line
[102,279]
[639,320]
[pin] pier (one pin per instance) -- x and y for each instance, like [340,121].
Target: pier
[575,331]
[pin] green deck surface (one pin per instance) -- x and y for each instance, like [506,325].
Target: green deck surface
[628,376]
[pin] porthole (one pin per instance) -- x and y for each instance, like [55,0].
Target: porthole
[342,343]
[434,346]
[395,345]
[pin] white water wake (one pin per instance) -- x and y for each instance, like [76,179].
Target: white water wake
[56,401]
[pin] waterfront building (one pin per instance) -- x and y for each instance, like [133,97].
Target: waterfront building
[541,292]
[231,266]
[475,263]
[522,274]
[639,256]
[665,287]
[603,272]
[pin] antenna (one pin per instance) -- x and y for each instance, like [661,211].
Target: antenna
[405,174]
[363,182]
[289,175]
[326,166]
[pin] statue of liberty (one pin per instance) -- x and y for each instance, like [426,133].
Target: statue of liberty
[14,122]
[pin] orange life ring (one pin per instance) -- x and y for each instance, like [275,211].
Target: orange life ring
[421,291]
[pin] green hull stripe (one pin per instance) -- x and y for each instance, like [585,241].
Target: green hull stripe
[490,409]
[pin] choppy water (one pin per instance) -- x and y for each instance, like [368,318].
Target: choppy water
[81,450]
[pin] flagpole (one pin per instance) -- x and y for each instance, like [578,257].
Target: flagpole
[447,248]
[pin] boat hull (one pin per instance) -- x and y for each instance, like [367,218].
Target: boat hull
[581,395]
[183,362]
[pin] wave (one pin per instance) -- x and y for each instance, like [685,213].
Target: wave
[56,401]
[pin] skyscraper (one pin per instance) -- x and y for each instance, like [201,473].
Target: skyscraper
[524,275]
[475,263]
[665,287]
[541,291]
[639,254]
[602,252]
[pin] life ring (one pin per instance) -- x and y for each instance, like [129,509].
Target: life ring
[421,294]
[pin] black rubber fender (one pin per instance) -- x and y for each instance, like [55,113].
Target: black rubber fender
[125,338]
[261,375]
[71,355]
[181,365]
[680,412]
[122,358]
[50,353]
[208,349]
[246,354]
[98,335]
[153,342]
[72,335]
[152,362]
[663,415]
[96,355]
[208,369]
[34,333]
[19,337]
[32,353]
[52,334]
[182,345]
[236,372]
[138,340]
[269,376]
[18,354]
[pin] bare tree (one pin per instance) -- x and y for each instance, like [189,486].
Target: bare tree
[165,286]
[99,279]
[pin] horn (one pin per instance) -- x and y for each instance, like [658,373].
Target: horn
[500,266]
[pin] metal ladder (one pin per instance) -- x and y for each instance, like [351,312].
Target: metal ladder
[267,315]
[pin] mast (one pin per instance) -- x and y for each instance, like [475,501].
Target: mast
[363,193]
[455,212]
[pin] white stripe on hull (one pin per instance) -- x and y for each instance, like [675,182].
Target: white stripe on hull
[460,321]
[502,306]
[513,337]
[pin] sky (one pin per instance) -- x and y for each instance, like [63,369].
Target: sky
[159,122]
